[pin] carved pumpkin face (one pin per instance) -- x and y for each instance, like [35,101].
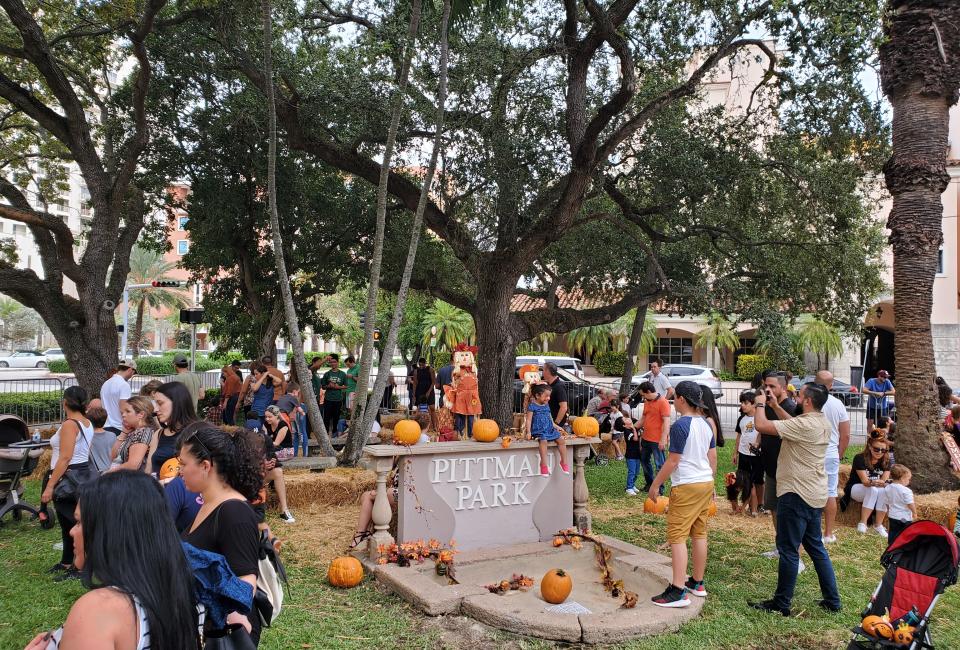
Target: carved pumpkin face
[903,634]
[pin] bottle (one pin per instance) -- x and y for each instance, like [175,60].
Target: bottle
[36,434]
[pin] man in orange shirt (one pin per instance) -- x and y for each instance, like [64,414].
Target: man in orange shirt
[230,382]
[655,431]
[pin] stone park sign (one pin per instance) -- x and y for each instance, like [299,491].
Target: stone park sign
[481,494]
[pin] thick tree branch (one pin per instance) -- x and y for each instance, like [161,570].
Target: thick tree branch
[20,210]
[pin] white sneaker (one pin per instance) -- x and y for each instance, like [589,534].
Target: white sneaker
[58,546]
[286,517]
[828,539]
[862,528]
[801,567]
[773,555]
[880,530]
[631,493]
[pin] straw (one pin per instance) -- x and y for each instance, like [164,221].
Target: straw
[333,487]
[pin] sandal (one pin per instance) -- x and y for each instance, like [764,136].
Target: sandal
[359,537]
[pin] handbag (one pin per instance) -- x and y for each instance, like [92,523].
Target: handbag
[233,637]
[68,487]
[268,598]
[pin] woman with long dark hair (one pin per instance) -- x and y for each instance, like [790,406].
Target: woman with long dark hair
[71,454]
[175,411]
[141,586]
[227,471]
[712,414]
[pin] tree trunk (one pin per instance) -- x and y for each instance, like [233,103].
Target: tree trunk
[373,287]
[633,348]
[293,326]
[358,437]
[496,352]
[268,340]
[920,72]
[137,329]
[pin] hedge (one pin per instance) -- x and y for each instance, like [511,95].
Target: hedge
[160,366]
[748,365]
[33,407]
[610,364]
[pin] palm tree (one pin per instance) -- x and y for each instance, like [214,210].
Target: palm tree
[453,325]
[536,345]
[719,334]
[820,338]
[621,328]
[919,72]
[147,265]
[293,325]
[590,339]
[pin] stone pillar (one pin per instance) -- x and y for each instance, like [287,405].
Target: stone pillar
[581,494]
[382,514]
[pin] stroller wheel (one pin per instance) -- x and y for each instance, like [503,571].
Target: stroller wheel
[601,459]
[17,515]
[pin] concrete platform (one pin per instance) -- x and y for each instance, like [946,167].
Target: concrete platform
[310,462]
[525,612]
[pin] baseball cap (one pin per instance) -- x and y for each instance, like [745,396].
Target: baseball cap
[180,359]
[690,392]
[127,363]
[883,374]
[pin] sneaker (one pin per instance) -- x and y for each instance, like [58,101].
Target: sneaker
[824,605]
[544,471]
[769,606]
[881,530]
[828,539]
[631,492]
[564,468]
[672,596]
[58,546]
[762,511]
[70,574]
[286,517]
[696,588]
[773,555]
[801,567]
[58,568]
[862,529]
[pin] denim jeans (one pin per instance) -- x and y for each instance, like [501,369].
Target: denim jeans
[798,523]
[302,437]
[230,410]
[461,421]
[633,469]
[648,453]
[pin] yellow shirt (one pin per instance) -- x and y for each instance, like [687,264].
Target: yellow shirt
[800,466]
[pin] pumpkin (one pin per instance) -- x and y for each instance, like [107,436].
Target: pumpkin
[506,441]
[406,432]
[883,629]
[657,507]
[712,510]
[345,572]
[869,624]
[170,469]
[558,541]
[903,634]
[556,586]
[485,430]
[586,427]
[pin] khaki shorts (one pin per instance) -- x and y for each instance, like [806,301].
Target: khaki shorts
[687,516]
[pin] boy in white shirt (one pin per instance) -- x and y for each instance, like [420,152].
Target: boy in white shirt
[901,509]
[747,458]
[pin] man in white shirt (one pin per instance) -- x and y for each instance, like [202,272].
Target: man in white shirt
[659,380]
[839,419]
[115,392]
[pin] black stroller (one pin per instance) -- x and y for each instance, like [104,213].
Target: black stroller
[18,458]
[920,564]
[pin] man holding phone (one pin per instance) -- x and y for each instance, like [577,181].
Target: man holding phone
[778,406]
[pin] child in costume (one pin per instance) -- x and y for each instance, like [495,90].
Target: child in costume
[542,427]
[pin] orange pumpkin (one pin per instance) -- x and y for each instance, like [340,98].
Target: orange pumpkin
[586,427]
[406,432]
[506,441]
[712,510]
[556,586]
[485,430]
[657,507]
[903,634]
[883,629]
[869,624]
[345,572]
[170,469]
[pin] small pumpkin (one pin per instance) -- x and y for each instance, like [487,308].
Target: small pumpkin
[555,586]
[903,634]
[506,441]
[869,624]
[586,427]
[883,629]
[657,507]
[712,509]
[406,432]
[485,430]
[170,469]
[558,541]
[345,572]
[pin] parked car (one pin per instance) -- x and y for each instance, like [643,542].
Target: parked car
[677,372]
[54,354]
[570,364]
[843,391]
[24,359]
[579,392]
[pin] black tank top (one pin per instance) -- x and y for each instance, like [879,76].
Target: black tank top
[423,381]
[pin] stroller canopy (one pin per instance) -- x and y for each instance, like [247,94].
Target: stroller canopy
[927,548]
[12,429]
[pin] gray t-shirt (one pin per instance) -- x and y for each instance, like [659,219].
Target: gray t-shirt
[100,450]
[661,383]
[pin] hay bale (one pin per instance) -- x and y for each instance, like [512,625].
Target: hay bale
[389,420]
[333,487]
[43,464]
[936,507]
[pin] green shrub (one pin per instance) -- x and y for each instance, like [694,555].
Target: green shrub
[726,375]
[440,359]
[550,354]
[610,364]
[33,407]
[160,366]
[58,365]
[749,365]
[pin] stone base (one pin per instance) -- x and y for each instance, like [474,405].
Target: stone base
[525,612]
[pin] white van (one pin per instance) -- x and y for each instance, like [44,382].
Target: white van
[570,364]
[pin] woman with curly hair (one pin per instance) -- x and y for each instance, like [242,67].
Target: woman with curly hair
[227,471]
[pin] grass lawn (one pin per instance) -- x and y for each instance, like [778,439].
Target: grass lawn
[317,616]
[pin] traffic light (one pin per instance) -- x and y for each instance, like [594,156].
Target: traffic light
[166,283]
[363,320]
[376,335]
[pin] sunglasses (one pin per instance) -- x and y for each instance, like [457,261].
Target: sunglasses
[880,450]
[193,439]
